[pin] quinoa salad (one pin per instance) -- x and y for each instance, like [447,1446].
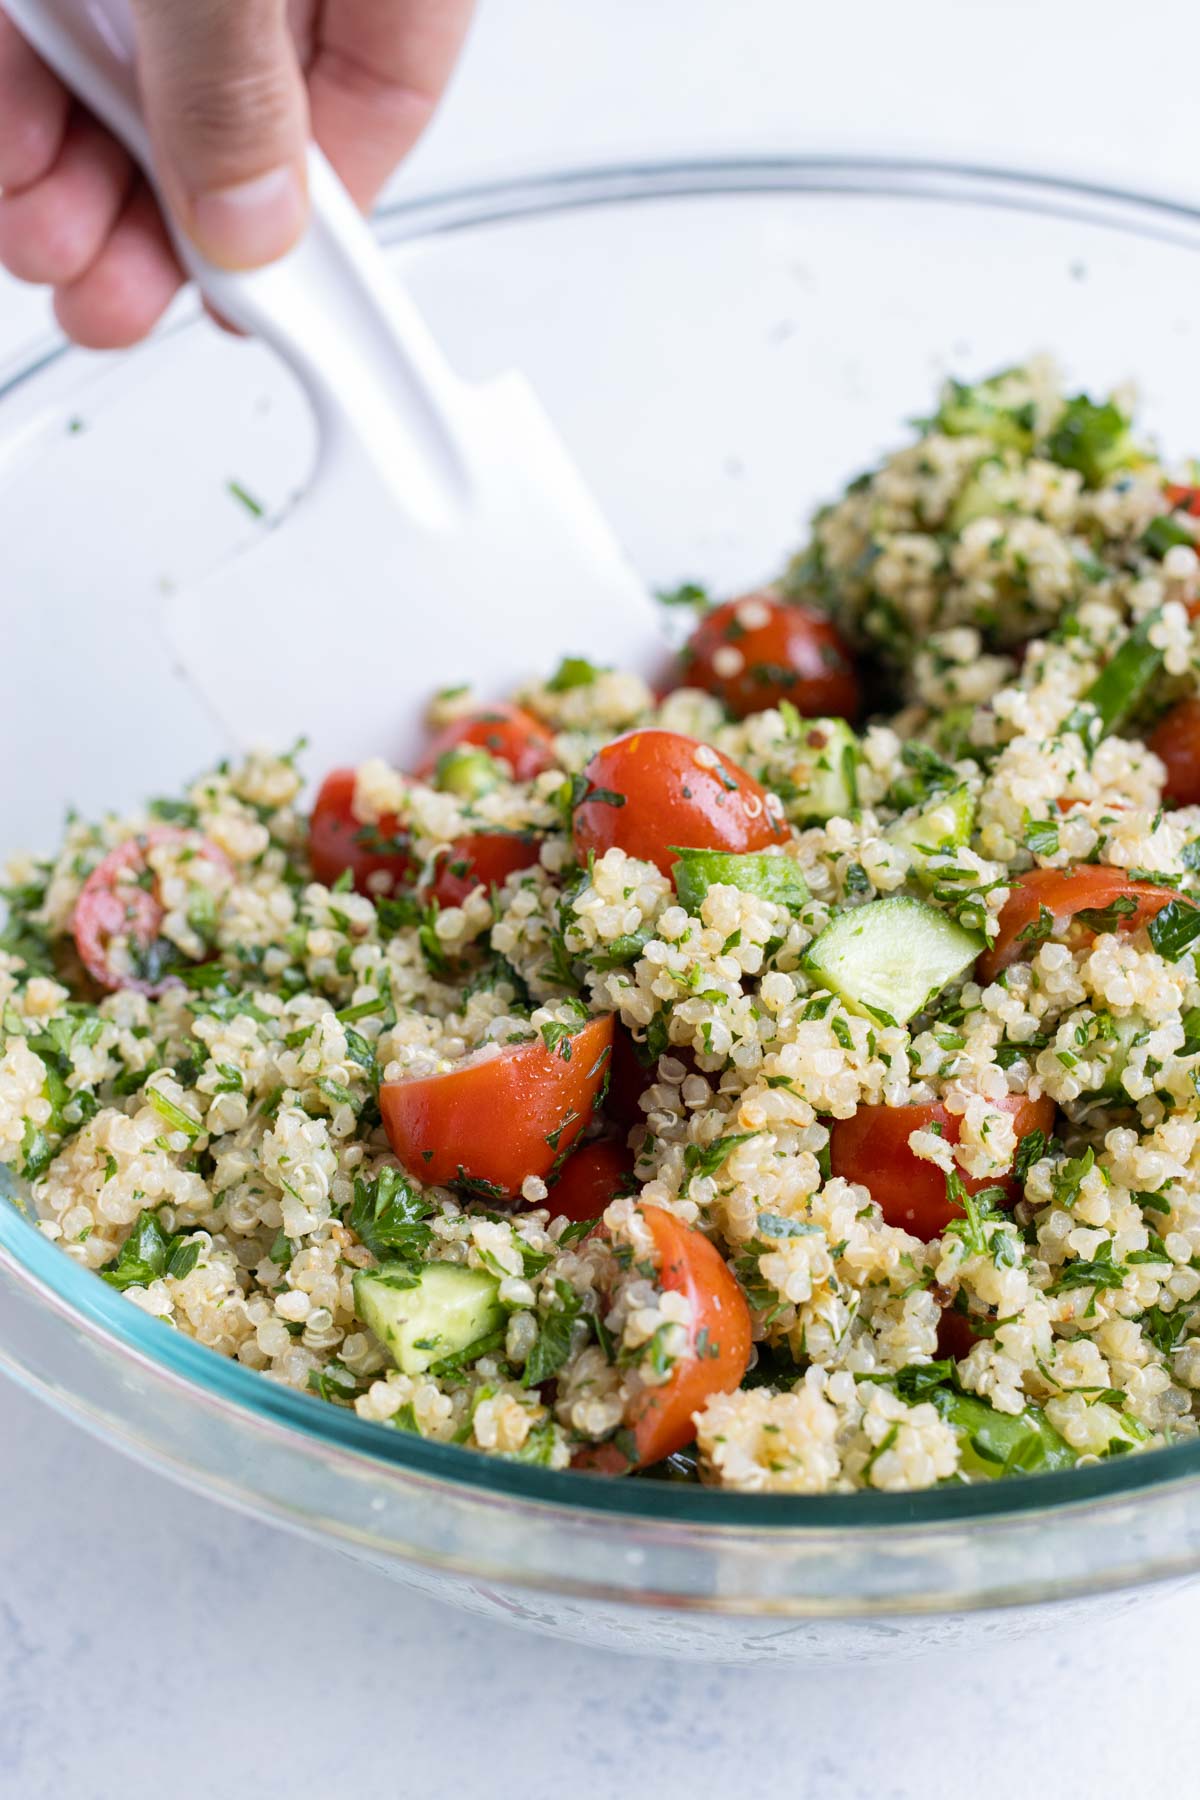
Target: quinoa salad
[788,1080]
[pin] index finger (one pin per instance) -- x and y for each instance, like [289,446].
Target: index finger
[34,107]
[377,71]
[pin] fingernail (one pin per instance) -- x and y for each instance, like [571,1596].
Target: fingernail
[252,222]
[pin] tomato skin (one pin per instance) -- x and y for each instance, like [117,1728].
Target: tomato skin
[671,798]
[590,1178]
[109,906]
[955,1337]
[482,859]
[501,1119]
[661,1418]
[1186,497]
[505,731]
[872,1148]
[1064,892]
[338,841]
[1175,740]
[787,653]
[630,1079]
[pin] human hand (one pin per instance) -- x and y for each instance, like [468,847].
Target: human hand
[232,91]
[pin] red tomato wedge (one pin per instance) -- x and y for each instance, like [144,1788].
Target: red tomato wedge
[1185,499]
[756,651]
[590,1178]
[493,1120]
[661,1419]
[506,732]
[482,859]
[649,790]
[120,899]
[872,1148]
[1176,741]
[338,841]
[1064,893]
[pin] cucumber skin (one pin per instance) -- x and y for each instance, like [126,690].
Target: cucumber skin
[775,878]
[1123,681]
[414,1313]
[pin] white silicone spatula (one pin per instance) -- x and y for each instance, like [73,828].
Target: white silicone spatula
[446,534]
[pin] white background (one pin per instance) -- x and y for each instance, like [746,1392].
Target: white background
[151,1644]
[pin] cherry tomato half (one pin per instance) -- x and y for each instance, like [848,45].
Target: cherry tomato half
[754,652]
[590,1178]
[120,899]
[650,790]
[482,859]
[1064,893]
[495,1119]
[872,1148]
[338,841]
[662,1419]
[1176,741]
[506,732]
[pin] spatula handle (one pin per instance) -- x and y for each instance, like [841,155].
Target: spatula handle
[331,307]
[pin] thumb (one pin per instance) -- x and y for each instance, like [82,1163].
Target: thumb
[226,106]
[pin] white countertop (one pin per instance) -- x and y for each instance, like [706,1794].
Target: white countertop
[153,1644]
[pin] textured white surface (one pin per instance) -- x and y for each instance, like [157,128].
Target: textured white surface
[151,1643]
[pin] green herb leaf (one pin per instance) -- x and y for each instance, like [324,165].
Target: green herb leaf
[1041,837]
[572,672]
[688,593]
[1101,919]
[706,1159]
[174,1115]
[1098,1273]
[388,1215]
[1174,929]
[1162,534]
[1093,438]
[552,1346]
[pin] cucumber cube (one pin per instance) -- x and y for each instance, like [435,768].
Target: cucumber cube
[890,958]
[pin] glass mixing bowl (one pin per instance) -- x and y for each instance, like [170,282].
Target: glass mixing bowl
[722,343]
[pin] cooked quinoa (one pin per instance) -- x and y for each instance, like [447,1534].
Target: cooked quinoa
[208,1062]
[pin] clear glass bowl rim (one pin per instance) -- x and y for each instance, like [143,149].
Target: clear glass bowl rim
[103,1313]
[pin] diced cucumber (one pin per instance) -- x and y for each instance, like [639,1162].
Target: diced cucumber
[467,772]
[428,1312]
[772,877]
[951,733]
[888,959]
[1122,682]
[1111,1431]
[993,1443]
[1125,1034]
[942,824]
[987,409]
[823,780]
[983,497]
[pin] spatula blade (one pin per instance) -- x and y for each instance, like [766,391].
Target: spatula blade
[346,618]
